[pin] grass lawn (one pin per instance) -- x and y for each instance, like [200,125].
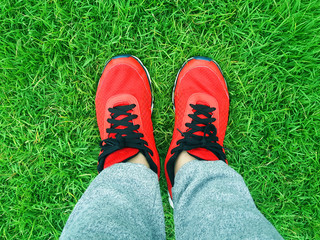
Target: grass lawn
[51,57]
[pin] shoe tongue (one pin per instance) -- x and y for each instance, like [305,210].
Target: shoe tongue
[120,156]
[203,154]
[113,135]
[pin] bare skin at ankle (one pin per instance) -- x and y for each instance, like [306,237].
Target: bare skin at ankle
[140,158]
[182,159]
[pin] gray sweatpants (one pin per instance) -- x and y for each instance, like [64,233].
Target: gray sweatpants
[211,201]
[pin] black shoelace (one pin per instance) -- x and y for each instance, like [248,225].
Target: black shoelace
[126,137]
[205,125]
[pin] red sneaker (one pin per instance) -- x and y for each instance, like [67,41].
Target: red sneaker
[123,107]
[201,101]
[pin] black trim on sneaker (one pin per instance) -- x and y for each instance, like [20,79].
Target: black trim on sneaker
[208,138]
[127,137]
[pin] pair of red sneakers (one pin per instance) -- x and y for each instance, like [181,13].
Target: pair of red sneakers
[124,106]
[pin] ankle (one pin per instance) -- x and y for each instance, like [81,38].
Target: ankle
[182,159]
[140,159]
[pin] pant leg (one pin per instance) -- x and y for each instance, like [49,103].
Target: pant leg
[122,202]
[211,201]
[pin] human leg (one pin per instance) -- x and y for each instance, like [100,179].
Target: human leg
[210,199]
[122,202]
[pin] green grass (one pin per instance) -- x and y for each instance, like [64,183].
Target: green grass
[53,52]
